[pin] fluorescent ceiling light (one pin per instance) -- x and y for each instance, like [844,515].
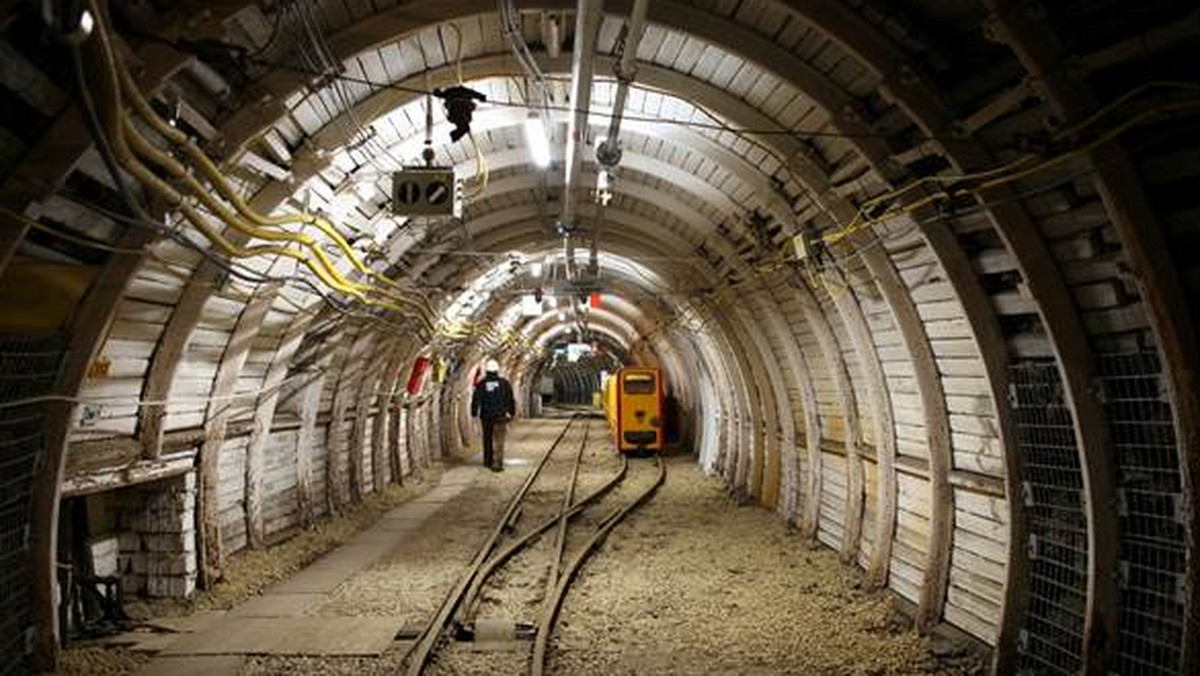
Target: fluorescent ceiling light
[539,141]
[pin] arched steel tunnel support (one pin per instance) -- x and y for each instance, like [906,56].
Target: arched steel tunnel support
[1056,309]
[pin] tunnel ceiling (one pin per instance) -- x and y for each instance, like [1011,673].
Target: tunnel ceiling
[918,272]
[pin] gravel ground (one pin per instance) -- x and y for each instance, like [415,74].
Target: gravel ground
[516,591]
[694,584]
[248,572]
[411,582]
[98,661]
[691,583]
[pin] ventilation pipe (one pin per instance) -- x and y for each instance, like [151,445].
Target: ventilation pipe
[608,153]
[552,39]
[587,23]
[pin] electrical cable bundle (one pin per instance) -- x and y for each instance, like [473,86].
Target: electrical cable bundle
[127,147]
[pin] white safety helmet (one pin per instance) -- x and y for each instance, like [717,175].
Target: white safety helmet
[491,366]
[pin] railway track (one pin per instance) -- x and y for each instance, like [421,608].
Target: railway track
[459,608]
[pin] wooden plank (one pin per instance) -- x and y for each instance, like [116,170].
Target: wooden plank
[926,371]
[364,394]
[750,445]
[398,453]
[264,413]
[771,392]
[835,363]
[306,438]
[86,331]
[381,428]
[337,481]
[880,408]
[808,399]
[1144,240]
[165,361]
[211,552]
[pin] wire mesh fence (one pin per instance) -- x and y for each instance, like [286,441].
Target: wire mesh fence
[1152,552]
[1050,640]
[30,367]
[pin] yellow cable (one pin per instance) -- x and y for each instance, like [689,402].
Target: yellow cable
[126,159]
[214,175]
[481,169]
[167,265]
[1003,175]
[1083,150]
[1129,95]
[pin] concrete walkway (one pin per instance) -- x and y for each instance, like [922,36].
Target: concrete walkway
[277,622]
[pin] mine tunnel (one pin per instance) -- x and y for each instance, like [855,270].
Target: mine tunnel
[842,337]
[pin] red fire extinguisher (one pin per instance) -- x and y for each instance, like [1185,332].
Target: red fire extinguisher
[417,375]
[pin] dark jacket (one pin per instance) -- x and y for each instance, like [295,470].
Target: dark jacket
[493,398]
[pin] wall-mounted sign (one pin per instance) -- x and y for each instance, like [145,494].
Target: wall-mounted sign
[423,191]
[531,305]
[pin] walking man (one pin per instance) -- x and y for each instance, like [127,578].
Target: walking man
[492,402]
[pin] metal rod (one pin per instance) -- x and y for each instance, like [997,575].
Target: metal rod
[587,23]
[608,154]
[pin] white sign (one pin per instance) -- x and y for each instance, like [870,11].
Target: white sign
[530,306]
[577,350]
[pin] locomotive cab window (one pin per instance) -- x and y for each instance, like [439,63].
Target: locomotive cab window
[636,383]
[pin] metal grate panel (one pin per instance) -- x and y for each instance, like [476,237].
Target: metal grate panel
[1051,636]
[28,368]
[1152,553]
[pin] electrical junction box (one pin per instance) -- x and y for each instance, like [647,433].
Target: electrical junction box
[803,246]
[423,191]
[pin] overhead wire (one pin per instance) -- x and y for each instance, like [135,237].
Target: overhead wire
[1013,171]
[326,62]
[1021,168]
[979,206]
[482,171]
[230,267]
[121,131]
[124,400]
[239,51]
[998,172]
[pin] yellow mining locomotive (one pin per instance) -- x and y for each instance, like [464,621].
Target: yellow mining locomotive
[633,404]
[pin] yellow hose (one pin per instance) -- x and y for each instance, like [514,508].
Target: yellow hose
[146,177]
[325,270]
[217,178]
[329,274]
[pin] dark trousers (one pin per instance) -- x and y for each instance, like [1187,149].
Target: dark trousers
[494,430]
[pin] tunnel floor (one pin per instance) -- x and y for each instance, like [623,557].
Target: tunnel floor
[692,583]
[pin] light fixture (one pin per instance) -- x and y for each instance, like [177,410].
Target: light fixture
[538,139]
[535,269]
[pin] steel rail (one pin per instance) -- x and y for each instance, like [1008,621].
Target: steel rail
[554,602]
[508,552]
[560,534]
[432,633]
